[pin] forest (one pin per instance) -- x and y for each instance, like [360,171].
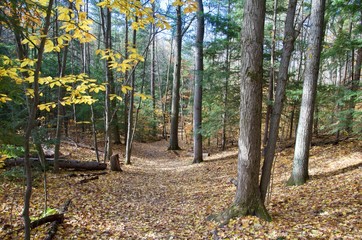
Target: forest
[180,119]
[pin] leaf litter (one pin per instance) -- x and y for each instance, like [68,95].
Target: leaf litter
[163,196]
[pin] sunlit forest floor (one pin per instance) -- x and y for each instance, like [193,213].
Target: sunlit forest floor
[163,196]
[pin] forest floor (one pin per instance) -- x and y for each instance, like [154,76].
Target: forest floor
[163,196]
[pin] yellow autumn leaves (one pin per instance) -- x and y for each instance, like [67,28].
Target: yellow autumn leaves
[75,25]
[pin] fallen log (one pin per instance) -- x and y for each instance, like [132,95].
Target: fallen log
[51,218]
[54,227]
[73,164]
[55,219]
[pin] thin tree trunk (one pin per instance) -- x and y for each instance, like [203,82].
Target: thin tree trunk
[304,132]
[106,26]
[175,107]
[272,71]
[131,107]
[153,74]
[126,95]
[226,85]
[166,91]
[354,88]
[288,48]
[197,116]
[356,75]
[61,110]
[291,122]
[32,123]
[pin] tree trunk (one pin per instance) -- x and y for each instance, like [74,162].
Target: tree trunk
[32,123]
[304,132]
[61,110]
[226,85]
[106,27]
[126,95]
[248,199]
[153,74]
[115,166]
[175,106]
[354,88]
[131,107]
[197,116]
[288,47]
[272,72]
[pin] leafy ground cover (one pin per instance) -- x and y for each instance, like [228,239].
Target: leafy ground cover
[163,196]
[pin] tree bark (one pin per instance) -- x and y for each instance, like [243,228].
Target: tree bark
[175,108]
[153,74]
[272,72]
[106,27]
[197,116]
[131,107]
[304,132]
[115,166]
[32,120]
[248,199]
[226,84]
[288,47]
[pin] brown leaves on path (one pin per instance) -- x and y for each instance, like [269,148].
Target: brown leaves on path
[163,196]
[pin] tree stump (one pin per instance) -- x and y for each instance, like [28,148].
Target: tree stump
[115,165]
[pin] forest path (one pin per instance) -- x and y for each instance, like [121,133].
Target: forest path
[162,195]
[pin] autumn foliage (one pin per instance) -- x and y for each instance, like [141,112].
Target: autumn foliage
[163,195]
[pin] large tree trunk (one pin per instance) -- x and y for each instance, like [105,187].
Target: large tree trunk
[175,108]
[198,84]
[304,132]
[248,199]
[288,47]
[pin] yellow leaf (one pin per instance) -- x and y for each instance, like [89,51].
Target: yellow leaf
[4,98]
[126,88]
[49,46]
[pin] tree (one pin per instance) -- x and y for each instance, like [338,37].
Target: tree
[304,131]
[176,84]
[106,29]
[248,199]
[288,47]
[131,105]
[199,55]
[227,79]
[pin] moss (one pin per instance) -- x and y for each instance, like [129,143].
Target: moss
[295,182]
[258,209]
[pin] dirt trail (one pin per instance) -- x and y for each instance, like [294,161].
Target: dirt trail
[162,195]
